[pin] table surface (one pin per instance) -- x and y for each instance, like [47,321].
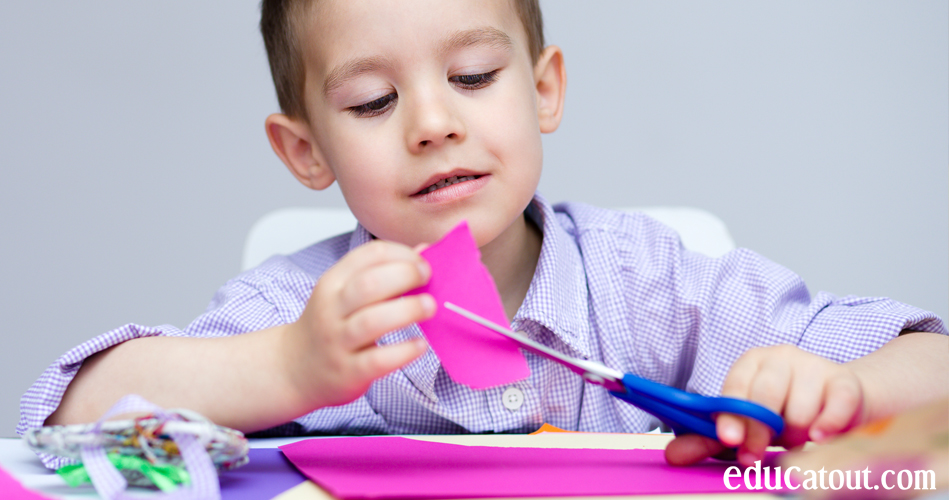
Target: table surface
[23,464]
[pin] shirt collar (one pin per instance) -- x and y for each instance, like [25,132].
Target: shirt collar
[556,300]
[360,237]
[558,295]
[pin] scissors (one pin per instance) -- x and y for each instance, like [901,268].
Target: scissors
[683,412]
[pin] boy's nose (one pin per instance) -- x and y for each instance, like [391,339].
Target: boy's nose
[432,122]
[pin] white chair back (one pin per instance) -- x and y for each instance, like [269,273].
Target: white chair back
[287,230]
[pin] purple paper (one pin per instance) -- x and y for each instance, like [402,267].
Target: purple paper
[267,475]
[470,353]
[398,468]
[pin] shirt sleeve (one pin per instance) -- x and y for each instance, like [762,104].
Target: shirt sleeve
[687,317]
[748,301]
[244,304]
[273,294]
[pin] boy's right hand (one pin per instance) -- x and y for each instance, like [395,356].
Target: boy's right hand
[330,351]
[817,397]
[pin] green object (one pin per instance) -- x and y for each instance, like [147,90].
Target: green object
[165,477]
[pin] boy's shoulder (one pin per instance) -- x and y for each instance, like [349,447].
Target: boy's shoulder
[620,230]
[278,288]
[305,265]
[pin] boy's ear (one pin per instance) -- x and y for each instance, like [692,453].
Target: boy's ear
[550,81]
[292,141]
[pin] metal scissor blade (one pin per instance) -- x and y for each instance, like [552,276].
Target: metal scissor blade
[591,371]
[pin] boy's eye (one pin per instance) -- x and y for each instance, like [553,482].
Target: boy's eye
[472,82]
[374,108]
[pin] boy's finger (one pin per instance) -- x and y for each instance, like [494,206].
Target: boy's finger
[758,437]
[803,404]
[371,254]
[730,429]
[842,404]
[737,383]
[769,388]
[380,282]
[771,385]
[691,448]
[377,361]
[369,323]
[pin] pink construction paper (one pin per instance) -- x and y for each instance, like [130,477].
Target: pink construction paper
[11,489]
[398,468]
[470,353]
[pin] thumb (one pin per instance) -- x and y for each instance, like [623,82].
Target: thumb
[843,403]
[691,448]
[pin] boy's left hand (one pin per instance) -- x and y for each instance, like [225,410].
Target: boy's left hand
[817,398]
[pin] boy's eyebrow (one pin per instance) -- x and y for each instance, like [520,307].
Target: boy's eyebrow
[489,36]
[351,69]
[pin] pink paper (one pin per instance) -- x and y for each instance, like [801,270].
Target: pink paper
[13,490]
[470,353]
[396,468]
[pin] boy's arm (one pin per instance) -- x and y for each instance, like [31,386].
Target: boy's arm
[819,398]
[257,380]
[237,381]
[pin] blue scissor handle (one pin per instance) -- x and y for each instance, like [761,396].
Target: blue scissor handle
[688,413]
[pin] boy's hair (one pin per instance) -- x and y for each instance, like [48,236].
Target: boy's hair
[279,24]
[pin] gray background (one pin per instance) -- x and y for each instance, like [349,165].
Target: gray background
[134,161]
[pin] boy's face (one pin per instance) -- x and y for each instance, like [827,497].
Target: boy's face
[403,94]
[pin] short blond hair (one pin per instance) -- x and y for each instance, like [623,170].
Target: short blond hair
[279,21]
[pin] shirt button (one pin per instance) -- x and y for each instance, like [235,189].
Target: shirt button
[512,399]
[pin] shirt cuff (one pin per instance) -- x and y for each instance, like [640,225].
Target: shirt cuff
[852,327]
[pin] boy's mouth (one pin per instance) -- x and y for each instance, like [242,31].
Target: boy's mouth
[455,179]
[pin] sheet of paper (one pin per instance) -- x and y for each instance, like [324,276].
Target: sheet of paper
[470,353]
[266,475]
[387,467]
[11,489]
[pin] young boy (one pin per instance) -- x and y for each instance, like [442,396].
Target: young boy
[428,113]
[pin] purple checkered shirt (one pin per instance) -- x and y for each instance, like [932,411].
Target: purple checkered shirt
[609,286]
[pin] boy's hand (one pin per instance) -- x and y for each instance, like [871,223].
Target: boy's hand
[817,398]
[330,351]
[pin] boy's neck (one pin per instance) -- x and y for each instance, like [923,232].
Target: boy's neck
[511,258]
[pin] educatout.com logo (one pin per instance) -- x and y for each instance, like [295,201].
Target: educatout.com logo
[792,478]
